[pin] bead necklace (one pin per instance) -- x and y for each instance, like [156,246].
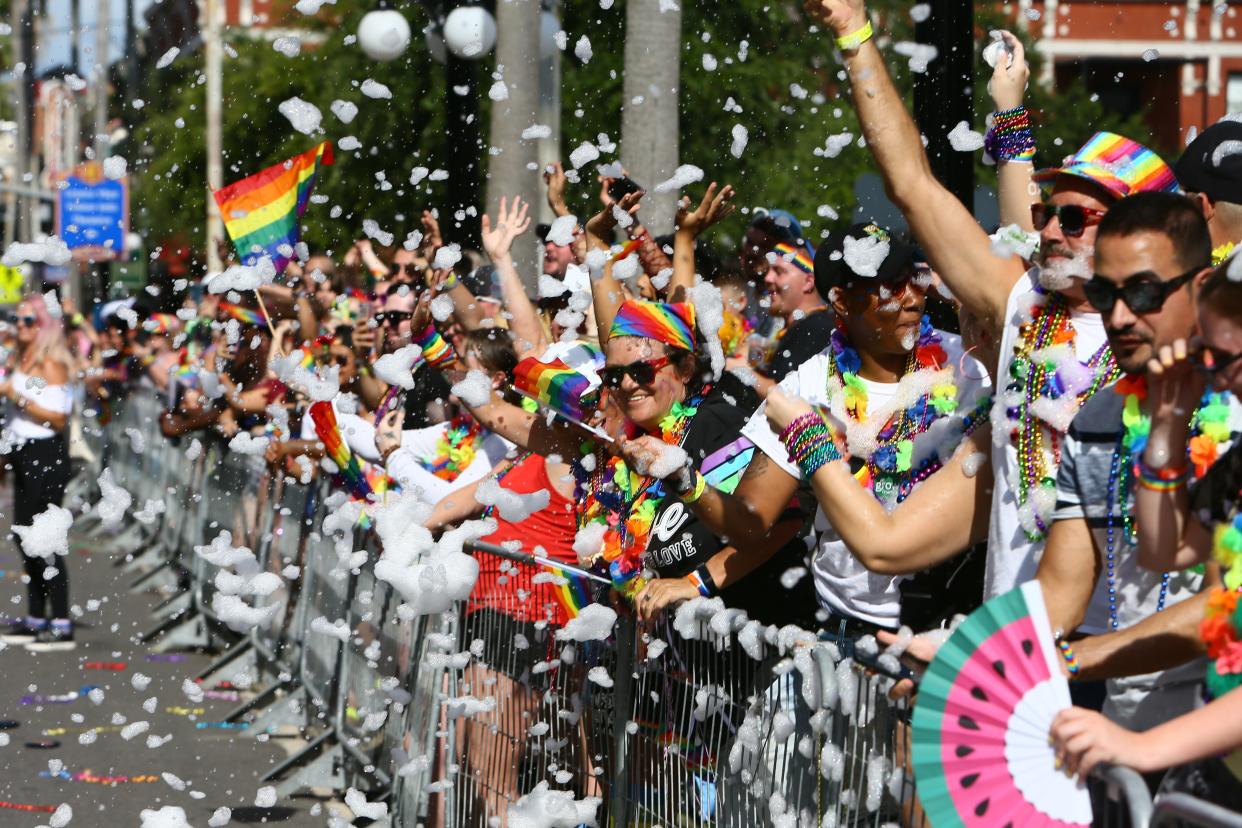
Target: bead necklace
[1120,476]
[1039,447]
[625,503]
[890,470]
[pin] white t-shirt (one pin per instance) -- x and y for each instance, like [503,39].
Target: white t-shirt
[1012,557]
[844,585]
[405,465]
[58,398]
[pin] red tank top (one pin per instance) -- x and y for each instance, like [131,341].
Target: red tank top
[512,590]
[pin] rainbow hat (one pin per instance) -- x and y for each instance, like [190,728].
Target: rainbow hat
[1119,165]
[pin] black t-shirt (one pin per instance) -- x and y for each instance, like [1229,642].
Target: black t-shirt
[679,542]
[802,340]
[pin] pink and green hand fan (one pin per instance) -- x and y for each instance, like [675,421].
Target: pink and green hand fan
[981,754]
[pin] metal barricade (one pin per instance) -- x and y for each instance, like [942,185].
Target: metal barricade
[277,641]
[1179,809]
[325,599]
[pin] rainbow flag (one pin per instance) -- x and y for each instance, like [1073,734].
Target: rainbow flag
[573,592]
[247,316]
[261,212]
[360,478]
[565,380]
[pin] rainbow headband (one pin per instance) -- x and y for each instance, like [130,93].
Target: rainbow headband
[796,256]
[672,324]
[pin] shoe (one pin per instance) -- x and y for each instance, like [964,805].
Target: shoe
[18,632]
[52,640]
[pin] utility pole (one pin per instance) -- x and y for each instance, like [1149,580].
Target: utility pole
[943,94]
[12,206]
[212,33]
[131,53]
[513,169]
[25,83]
[650,128]
[103,9]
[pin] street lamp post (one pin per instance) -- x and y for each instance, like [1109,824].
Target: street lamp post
[943,94]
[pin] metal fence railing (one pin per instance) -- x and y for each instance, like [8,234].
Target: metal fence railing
[704,719]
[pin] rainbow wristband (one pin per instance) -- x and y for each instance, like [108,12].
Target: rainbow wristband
[1160,480]
[1067,653]
[854,39]
[436,351]
[698,584]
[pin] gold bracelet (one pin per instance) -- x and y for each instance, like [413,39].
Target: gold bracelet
[854,39]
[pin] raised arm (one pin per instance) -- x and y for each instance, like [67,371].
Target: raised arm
[713,207]
[956,500]
[1016,189]
[956,246]
[607,292]
[1169,536]
[498,243]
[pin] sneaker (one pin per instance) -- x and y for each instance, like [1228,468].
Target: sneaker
[52,640]
[19,631]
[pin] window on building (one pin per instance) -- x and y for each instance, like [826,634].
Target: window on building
[1233,93]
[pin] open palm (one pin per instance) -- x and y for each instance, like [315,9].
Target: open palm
[511,222]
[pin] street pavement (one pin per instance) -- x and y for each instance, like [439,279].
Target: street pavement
[110,780]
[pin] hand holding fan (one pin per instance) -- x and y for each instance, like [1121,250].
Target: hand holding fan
[981,749]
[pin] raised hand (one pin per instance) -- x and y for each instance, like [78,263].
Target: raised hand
[554,178]
[432,240]
[1010,75]
[713,207]
[510,223]
[840,16]
[1174,388]
[602,222]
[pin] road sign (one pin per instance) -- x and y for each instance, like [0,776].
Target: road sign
[11,279]
[92,213]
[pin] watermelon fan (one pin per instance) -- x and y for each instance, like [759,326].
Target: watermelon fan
[981,753]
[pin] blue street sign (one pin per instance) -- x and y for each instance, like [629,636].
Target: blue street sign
[92,215]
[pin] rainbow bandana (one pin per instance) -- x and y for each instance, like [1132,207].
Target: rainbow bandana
[672,324]
[796,256]
[1119,165]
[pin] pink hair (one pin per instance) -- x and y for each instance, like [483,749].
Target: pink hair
[50,340]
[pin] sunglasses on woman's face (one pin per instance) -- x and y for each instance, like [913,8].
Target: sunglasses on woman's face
[29,321]
[1213,361]
[1143,292]
[1074,218]
[643,372]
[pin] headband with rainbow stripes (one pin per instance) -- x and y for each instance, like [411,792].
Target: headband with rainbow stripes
[672,324]
[796,256]
[247,316]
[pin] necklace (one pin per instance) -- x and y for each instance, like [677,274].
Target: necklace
[1047,386]
[886,438]
[455,449]
[1209,428]
[625,503]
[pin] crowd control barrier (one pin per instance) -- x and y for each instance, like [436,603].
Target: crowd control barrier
[705,718]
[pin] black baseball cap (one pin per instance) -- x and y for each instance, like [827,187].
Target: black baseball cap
[541,231]
[832,269]
[1210,167]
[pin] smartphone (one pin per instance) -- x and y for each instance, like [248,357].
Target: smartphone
[622,186]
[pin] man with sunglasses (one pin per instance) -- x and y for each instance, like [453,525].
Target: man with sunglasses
[1027,310]
[1152,255]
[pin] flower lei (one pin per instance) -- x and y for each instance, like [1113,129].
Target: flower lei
[1209,428]
[1221,252]
[625,503]
[455,449]
[927,393]
[1047,386]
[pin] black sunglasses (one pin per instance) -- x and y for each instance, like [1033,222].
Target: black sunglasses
[642,372]
[30,321]
[1143,292]
[410,269]
[1074,218]
[394,317]
[1212,361]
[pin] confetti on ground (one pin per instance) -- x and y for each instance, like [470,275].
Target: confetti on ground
[61,731]
[222,695]
[89,776]
[104,665]
[21,806]
[185,711]
[223,725]
[43,744]
[165,657]
[61,698]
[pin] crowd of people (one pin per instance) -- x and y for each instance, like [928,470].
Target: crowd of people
[798,426]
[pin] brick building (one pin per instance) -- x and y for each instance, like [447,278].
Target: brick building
[1180,58]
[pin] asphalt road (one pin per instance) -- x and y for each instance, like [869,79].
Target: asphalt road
[110,780]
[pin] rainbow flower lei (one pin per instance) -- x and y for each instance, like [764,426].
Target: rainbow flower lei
[891,470]
[625,503]
[455,449]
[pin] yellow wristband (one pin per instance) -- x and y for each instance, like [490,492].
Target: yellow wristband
[700,486]
[854,39]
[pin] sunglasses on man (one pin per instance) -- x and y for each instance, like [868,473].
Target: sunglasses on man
[643,372]
[1074,218]
[392,317]
[1143,292]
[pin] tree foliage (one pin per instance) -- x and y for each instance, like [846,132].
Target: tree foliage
[750,62]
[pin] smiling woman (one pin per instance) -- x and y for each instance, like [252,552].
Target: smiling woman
[690,424]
